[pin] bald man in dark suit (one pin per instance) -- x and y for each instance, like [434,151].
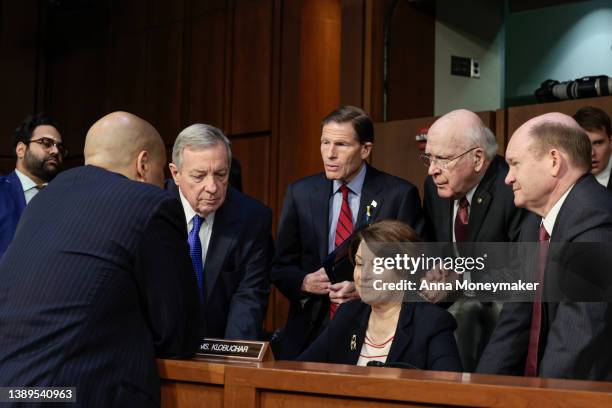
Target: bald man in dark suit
[106,283]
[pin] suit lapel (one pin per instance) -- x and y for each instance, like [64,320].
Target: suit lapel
[481,200]
[17,191]
[371,191]
[447,210]
[479,207]
[225,231]
[319,210]
[356,334]
[403,333]
[609,186]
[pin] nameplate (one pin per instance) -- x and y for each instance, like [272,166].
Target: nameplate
[244,350]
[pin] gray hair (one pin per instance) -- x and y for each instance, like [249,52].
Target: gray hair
[483,137]
[199,136]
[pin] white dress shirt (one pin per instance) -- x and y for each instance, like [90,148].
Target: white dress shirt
[30,188]
[205,228]
[551,217]
[604,176]
[354,198]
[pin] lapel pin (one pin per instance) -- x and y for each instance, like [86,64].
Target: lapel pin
[479,200]
[373,204]
[354,342]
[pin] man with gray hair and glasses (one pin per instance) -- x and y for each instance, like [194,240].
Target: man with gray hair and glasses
[466,200]
[229,235]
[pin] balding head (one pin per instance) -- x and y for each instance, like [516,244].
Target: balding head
[465,128]
[546,155]
[126,144]
[556,130]
[459,150]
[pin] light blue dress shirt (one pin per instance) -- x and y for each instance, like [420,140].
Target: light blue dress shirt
[335,204]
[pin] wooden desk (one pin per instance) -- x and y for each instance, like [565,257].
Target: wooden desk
[192,383]
[291,384]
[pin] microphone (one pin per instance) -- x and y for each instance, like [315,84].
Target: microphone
[392,364]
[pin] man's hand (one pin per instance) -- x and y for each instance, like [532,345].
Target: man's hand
[316,283]
[343,292]
[438,276]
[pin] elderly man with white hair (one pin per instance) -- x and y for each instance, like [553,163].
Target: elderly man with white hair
[229,235]
[466,200]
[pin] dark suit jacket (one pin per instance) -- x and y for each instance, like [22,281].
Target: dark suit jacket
[12,203]
[493,216]
[96,284]
[423,338]
[302,243]
[575,335]
[237,266]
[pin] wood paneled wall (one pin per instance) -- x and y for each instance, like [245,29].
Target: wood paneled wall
[265,71]
[19,59]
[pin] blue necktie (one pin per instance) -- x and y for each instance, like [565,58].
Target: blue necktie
[195,250]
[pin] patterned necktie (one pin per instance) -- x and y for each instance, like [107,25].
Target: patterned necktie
[344,229]
[195,250]
[531,364]
[461,220]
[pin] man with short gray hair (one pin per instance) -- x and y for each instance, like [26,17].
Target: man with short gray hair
[564,334]
[466,200]
[229,235]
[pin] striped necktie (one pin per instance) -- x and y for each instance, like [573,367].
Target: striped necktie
[344,229]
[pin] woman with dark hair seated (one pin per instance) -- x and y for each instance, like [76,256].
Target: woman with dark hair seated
[386,330]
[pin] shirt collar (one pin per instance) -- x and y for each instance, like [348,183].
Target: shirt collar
[604,176]
[26,182]
[190,213]
[356,184]
[551,217]
[469,195]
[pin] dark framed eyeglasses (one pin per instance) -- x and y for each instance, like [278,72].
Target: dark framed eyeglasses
[427,160]
[48,143]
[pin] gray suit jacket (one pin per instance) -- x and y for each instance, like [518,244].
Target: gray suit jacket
[575,335]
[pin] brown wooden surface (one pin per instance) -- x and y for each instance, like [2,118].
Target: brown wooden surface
[18,57]
[292,384]
[266,71]
[191,383]
[518,115]
[251,67]
[309,89]
[207,66]
[382,385]
[411,67]
[352,52]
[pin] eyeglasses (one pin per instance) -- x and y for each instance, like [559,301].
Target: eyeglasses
[427,160]
[48,143]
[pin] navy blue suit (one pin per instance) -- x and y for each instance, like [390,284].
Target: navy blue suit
[574,336]
[237,267]
[302,243]
[12,203]
[96,284]
[423,338]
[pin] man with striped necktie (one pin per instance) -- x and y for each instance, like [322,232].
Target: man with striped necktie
[322,211]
